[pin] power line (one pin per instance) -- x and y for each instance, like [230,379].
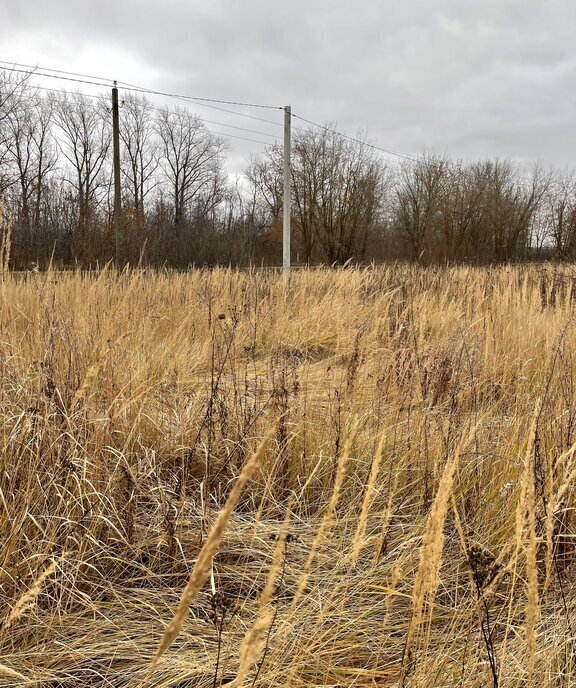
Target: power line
[233,112]
[97,81]
[252,131]
[65,92]
[138,89]
[405,156]
[242,138]
[91,80]
[158,109]
[58,71]
[207,102]
[78,77]
[35,72]
[207,121]
[240,114]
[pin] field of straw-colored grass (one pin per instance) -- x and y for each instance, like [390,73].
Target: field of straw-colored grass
[359,478]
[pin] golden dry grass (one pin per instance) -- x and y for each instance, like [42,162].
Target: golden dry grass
[422,430]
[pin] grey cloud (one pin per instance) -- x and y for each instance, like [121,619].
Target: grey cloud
[491,78]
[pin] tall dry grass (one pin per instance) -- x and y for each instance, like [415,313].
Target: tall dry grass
[431,533]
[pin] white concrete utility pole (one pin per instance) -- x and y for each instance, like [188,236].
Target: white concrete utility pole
[287,191]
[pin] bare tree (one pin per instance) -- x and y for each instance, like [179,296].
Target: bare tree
[86,138]
[560,216]
[140,150]
[32,150]
[417,204]
[12,89]
[346,184]
[351,182]
[510,205]
[12,92]
[264,193]
[458,232]
[193,161]
[337,191]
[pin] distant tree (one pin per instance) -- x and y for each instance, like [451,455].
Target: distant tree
[264,193]
[12,93]
[458,227]
[140,150]
[510,205]
[192,159]
[480,211]
[31,148]
[338,187]
[85,143]
[417,205]
[560,216]
[180,204]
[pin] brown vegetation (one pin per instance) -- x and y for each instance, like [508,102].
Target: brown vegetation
[409,520]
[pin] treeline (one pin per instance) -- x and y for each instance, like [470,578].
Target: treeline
[180,205]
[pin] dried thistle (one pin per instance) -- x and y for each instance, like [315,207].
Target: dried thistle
[482,564]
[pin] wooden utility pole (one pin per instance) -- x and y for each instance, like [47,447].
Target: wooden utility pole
[287,191]
[116,155]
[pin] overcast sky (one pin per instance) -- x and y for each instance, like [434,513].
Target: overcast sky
[471,78]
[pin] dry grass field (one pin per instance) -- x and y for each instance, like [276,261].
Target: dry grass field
[392,453]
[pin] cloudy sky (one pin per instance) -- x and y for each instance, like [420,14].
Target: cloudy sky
[470,78]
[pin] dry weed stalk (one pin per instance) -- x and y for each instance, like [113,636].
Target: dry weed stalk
[367,501]
[385,522]
[326,521]
[531,548]
[11,673]
[256,637]
[427,576]
[27,599]
[201,570]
